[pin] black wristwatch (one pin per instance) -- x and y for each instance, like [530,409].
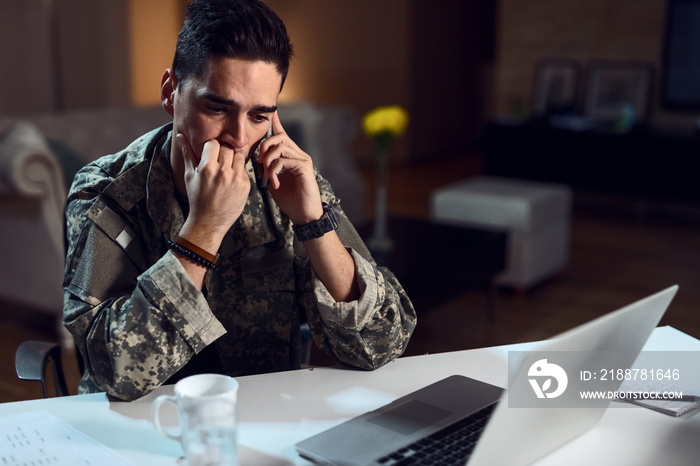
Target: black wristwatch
[317,228]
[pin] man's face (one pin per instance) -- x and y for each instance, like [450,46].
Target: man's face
[232,102]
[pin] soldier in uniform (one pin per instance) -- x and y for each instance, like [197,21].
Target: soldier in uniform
[204,244]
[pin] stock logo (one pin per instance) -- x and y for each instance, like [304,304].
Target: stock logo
[542,370]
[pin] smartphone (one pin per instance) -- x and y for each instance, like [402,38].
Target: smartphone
[263,183]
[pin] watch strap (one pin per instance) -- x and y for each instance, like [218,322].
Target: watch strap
[328,222]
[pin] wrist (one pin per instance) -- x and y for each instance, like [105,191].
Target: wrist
[308,218]
[207,242]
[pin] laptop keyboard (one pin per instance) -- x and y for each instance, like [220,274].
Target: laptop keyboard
[450,446]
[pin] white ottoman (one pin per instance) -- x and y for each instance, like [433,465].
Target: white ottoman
[536,215]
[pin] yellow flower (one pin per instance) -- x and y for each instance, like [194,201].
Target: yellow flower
[392,120]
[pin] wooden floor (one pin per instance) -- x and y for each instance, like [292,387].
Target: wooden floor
[620,251]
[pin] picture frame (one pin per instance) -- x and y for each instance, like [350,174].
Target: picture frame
[618,90]
[556,87]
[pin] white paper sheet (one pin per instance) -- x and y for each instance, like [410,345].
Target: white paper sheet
[39,438]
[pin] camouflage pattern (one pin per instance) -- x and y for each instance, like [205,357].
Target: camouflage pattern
[137,318]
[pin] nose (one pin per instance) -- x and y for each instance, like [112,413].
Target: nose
[234,133]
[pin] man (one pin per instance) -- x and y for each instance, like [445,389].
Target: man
[203,245]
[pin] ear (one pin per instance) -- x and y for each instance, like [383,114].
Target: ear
[168,85]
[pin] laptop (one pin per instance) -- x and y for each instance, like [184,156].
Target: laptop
[393,434]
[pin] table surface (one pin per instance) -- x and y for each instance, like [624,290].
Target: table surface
[278,410]
[436,261]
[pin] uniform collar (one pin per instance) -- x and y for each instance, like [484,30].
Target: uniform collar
[161,202]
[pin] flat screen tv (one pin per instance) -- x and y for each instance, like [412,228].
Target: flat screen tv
[680,86]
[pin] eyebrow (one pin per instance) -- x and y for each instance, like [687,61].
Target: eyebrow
[231,103]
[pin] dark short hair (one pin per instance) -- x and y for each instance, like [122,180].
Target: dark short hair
[243,29]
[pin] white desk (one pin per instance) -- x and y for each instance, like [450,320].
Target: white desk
[278,410]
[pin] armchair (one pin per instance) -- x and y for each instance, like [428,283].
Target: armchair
[32,194]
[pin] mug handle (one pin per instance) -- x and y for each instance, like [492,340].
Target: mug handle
[155,414]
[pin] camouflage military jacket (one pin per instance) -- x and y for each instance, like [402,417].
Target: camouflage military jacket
[137,318]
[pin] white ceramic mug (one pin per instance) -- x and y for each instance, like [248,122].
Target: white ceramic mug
[207,415]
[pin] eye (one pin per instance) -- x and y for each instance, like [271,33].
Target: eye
[260,118]
[215,109]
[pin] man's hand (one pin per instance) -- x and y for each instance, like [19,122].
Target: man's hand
[291,174]
[294,188]
[217,190]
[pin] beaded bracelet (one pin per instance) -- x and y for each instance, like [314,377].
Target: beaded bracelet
[190,254]
[195,249]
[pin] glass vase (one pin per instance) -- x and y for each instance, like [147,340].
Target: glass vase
[380,241]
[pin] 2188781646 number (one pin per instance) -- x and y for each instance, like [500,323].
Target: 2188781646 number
[640,374]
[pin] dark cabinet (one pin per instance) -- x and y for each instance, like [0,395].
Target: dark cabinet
[639,164]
